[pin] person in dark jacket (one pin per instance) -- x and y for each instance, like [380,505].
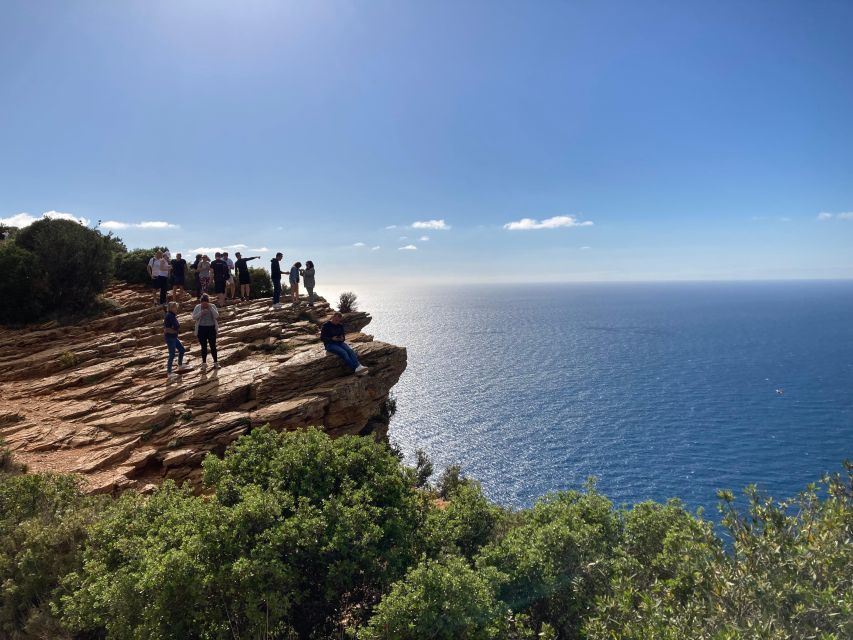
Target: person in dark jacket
[220,278]
[244,276]
[275,274]
[333,335]
[294,282]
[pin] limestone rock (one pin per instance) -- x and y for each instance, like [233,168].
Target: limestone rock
[93,398]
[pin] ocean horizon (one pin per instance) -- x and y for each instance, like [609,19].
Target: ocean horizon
[657,389]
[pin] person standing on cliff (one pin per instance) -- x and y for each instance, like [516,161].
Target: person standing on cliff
[179,274]
[158,269]
[333,334]
[220,278]
[308,281]
[206,318]
[171,328]
[229,283]
[294,282]
[244,277]
[275,275]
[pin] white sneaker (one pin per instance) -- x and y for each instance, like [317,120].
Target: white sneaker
[277,306]
[203,366]
[215,365]
[361,370]
[171,377]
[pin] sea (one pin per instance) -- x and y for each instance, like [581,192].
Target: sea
[657,390]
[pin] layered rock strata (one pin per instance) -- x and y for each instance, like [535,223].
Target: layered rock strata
[93,398]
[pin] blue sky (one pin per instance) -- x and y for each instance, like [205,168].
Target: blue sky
[640,140]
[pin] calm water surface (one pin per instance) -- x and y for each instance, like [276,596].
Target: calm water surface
[659,390]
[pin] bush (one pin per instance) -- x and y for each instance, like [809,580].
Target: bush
[462,526]
[347,303]
[43,521]
[302,532]
[76,262]
[441,599]
[23,287]
[556,564]
[261,283]
[132,266]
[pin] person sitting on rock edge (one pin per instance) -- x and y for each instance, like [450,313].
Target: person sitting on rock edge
[333,334]
[171,327]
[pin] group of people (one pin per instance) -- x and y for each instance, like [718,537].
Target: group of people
[226,275]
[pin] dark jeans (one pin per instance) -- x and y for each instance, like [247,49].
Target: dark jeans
[174,344]
[163,285]
[344,352]
[207,337]
[276,291]
[310,295]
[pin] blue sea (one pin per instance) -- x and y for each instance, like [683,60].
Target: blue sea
[658,390]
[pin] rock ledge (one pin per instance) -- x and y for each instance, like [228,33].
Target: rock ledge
[93,398]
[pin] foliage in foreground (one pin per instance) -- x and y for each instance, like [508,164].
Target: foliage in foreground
[301,536]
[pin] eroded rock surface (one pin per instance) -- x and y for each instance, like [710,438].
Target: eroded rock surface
[93,398]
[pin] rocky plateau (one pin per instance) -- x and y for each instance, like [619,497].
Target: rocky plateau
[93,398]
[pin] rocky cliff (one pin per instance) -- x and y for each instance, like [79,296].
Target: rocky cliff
[93,398]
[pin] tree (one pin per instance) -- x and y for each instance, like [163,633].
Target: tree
[77,262]
[132,266]
[23,286]
[261,283]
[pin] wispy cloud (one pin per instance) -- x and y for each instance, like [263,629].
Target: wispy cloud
[115,225]
[823,216]
[261,249]
[391,226]
[408,247]
[556,222]
[424,238]
[359,244]
[585,248]
[236,246]
[24,219]
[437,225]
[206,250]
[376,248]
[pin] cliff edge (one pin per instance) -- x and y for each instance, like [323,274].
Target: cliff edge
[93,399]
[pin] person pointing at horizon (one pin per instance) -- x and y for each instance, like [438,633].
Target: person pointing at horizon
[245,278]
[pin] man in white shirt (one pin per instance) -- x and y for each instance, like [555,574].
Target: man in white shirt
[158,269]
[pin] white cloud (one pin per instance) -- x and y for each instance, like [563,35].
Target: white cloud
[261,250]
[585,248]
[359,244]
[438,225]
[408,247]
[403,238]
[824,216]
[526,224]
[24,219]
[376,248]
[208,250]
[236,246]
[115,225]
[424,238]
[391,226]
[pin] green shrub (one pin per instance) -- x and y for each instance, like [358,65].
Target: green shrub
[261,283]
[76,262]
[302,532]
[463,525]
[23,287]
[556,563]
[440,599]
[132,266]
[43,521]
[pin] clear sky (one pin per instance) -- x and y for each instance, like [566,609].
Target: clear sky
[537,141]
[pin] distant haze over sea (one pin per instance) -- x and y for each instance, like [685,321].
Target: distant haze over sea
[660,390]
